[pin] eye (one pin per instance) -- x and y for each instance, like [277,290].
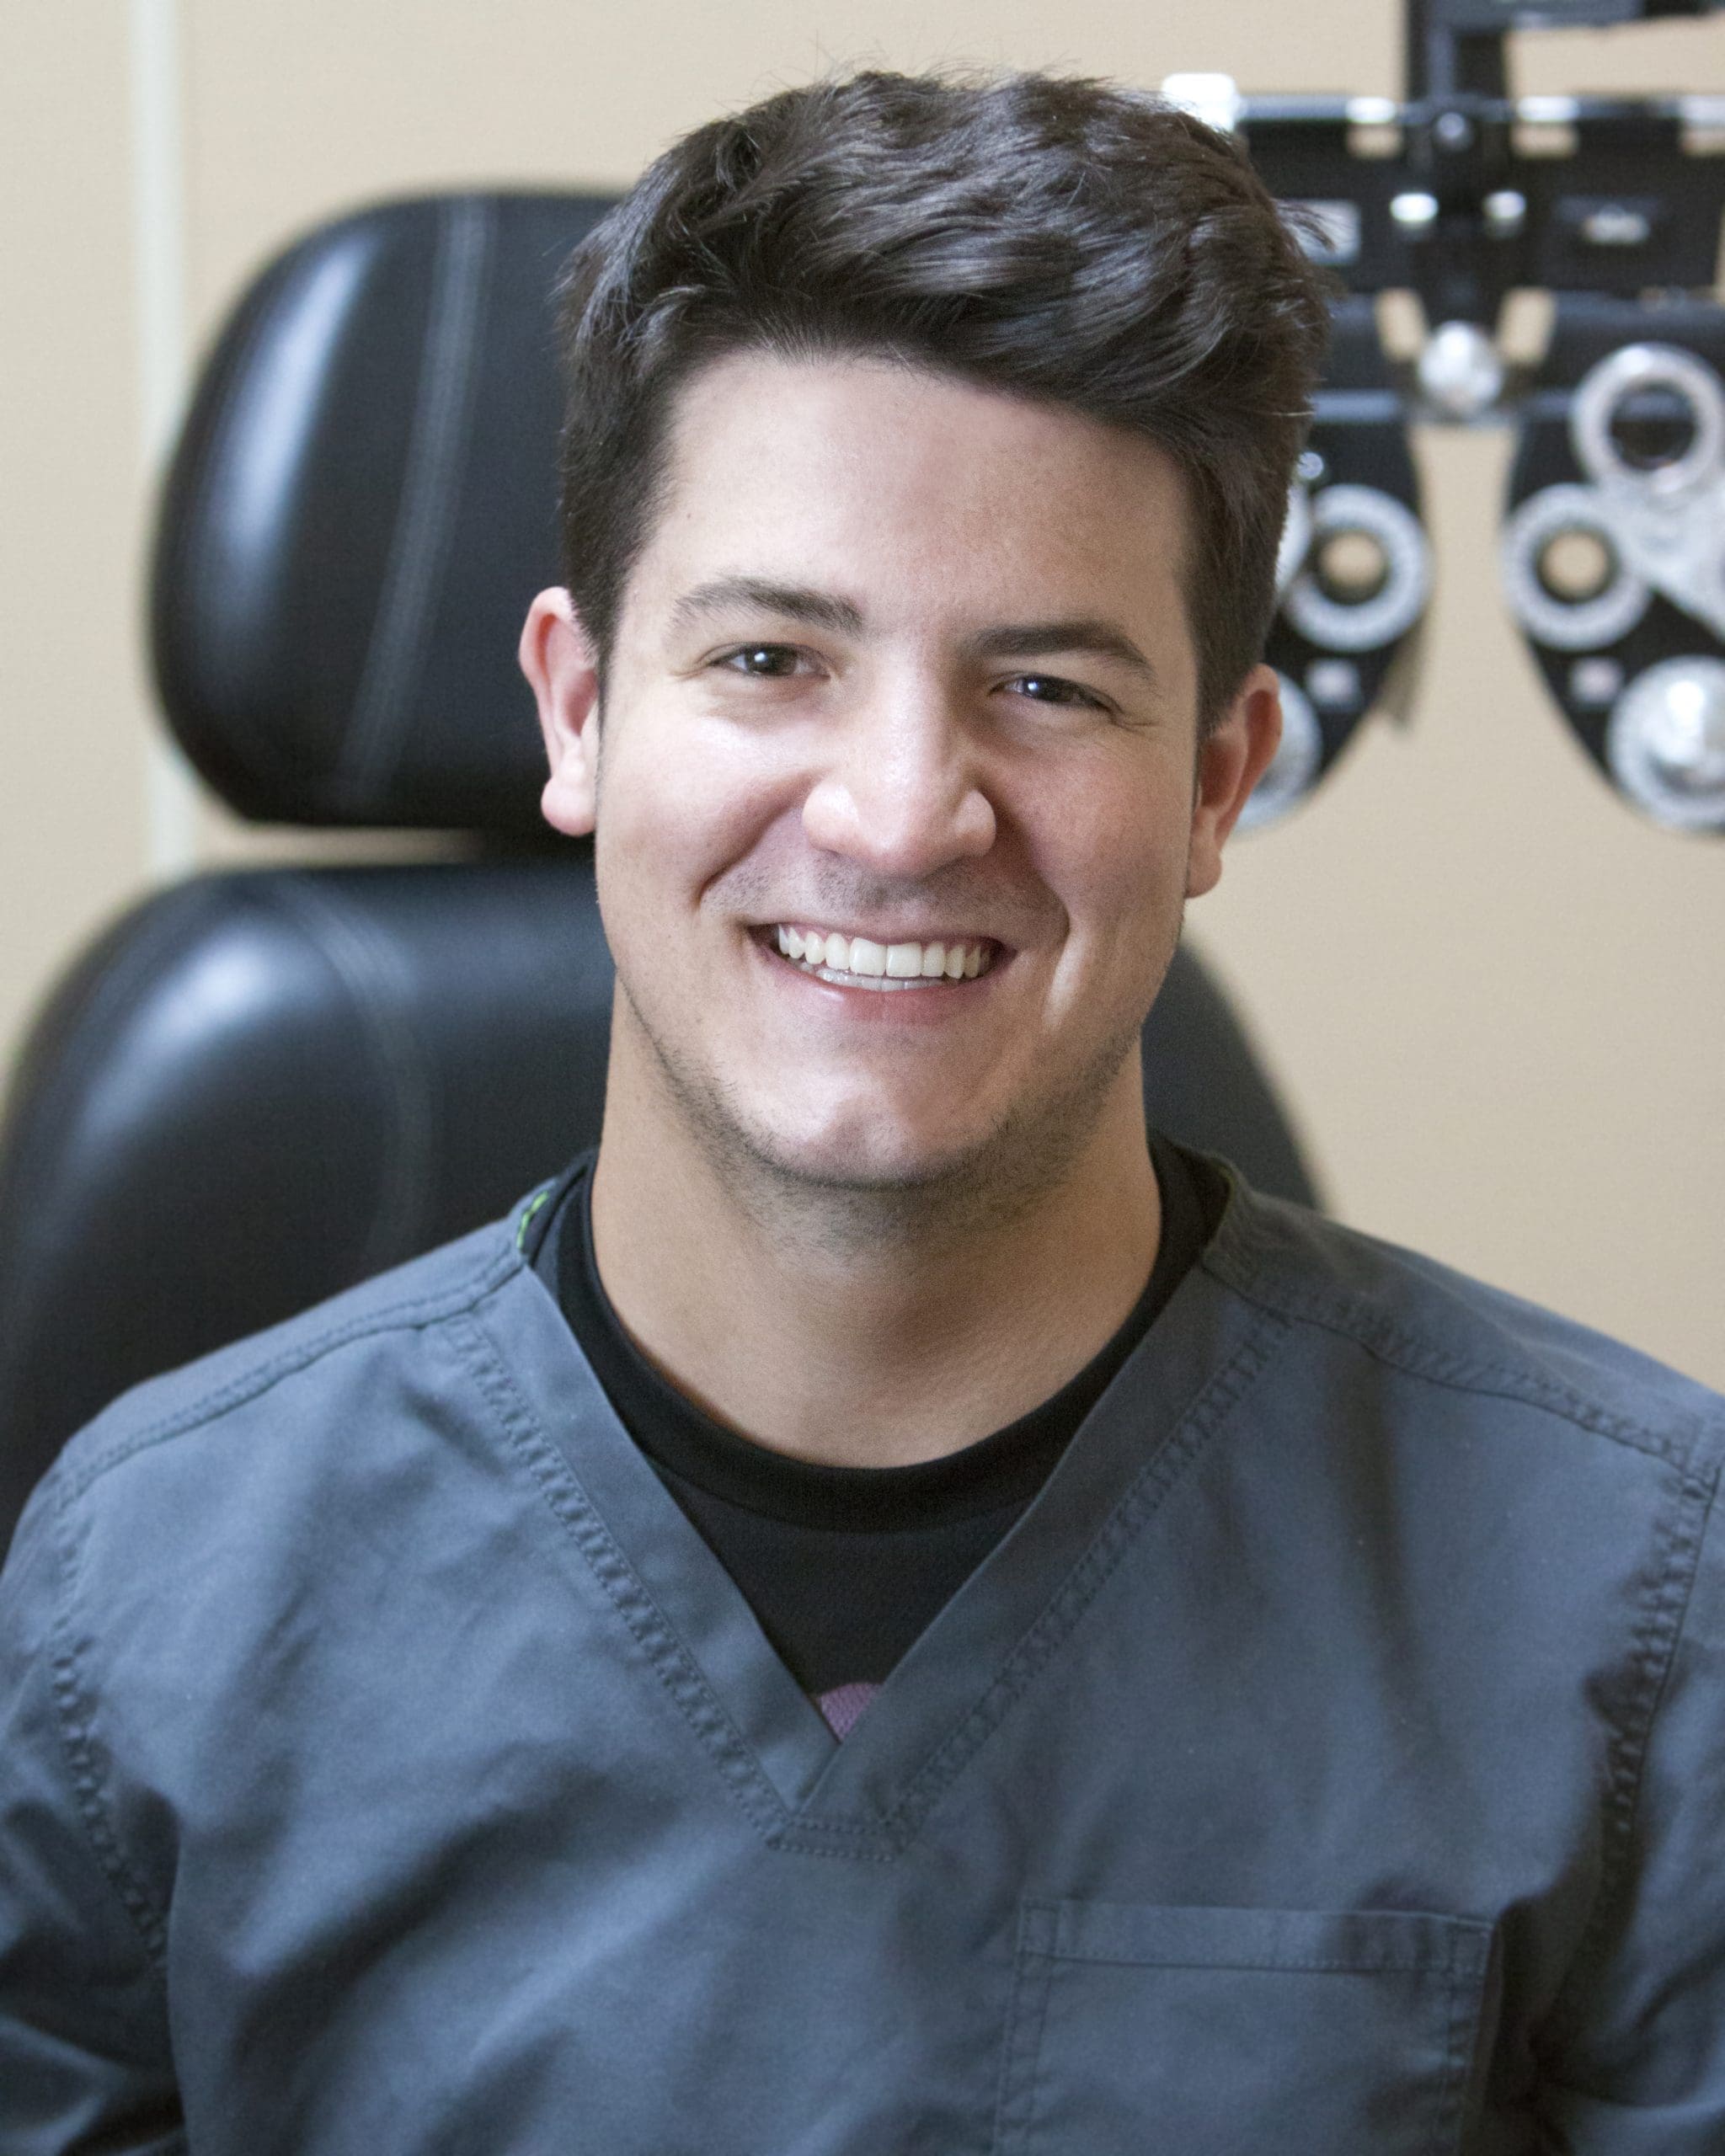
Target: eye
[762,662]
[1050,689]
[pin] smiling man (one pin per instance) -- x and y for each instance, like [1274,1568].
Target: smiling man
[888,1610]
[903,794]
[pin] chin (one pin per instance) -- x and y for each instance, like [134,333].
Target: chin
[852,1149]
[863,1154]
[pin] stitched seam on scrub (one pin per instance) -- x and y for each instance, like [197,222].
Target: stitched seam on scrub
[673,1664]
[1458,1935]
[1450,2094]
[1392,1344]
[73,1697]
[75,1713]
[1023,2066]
[1126,1520]
[1240,1256]
[1012,2122]
[1268,1964]
[239,1391]
[1655,1650]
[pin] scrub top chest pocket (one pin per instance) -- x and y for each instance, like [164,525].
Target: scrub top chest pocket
[1226,2032]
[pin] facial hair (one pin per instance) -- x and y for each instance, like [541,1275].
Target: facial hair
[992,1183]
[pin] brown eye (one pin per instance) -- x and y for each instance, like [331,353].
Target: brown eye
[1049,688]
[764,661]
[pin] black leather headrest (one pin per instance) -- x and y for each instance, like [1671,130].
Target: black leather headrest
[362,504]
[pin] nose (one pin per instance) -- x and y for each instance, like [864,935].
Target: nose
[901,792]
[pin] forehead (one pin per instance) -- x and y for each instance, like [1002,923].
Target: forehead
[932,492]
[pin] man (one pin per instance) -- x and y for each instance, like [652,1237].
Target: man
[884,1613]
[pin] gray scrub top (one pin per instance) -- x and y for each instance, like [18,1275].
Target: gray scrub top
[1330,1760]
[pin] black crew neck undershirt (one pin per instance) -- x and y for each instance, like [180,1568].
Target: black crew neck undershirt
[845,1566]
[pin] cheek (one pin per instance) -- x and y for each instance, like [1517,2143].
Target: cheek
[1112,846]
[677,814]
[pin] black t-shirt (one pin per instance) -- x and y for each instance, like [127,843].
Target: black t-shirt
[845,1566]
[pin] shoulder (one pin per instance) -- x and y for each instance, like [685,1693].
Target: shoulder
[287,1395]
[251,1527]
[1426,1326]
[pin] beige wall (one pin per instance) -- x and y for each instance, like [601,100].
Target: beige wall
[1497,1000]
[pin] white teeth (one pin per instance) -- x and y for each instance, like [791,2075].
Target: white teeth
[882,964]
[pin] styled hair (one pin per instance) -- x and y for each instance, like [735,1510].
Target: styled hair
[1065,240]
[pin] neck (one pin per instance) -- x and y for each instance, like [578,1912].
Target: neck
[865,1329]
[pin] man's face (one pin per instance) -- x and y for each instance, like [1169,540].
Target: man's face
[896,784]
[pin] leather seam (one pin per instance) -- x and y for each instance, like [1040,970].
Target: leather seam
[425,506]
[364,964]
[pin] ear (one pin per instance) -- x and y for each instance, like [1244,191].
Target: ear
[1232,759]
[557,657]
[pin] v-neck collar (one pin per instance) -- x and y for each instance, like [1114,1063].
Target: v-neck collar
[985,1649]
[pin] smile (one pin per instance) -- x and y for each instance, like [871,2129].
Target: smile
[859,962]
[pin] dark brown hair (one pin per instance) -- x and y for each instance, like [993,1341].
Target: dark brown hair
[1054,238]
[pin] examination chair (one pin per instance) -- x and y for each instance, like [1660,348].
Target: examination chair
[261,1086]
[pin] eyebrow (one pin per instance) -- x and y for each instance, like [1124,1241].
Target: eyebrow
[826,609]
[796,602]
[1081,633]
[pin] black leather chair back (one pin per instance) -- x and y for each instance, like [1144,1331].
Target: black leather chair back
[260,1086]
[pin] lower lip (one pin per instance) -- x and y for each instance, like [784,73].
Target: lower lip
[933,1002]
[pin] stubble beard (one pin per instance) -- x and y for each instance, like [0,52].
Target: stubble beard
[990,1184]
